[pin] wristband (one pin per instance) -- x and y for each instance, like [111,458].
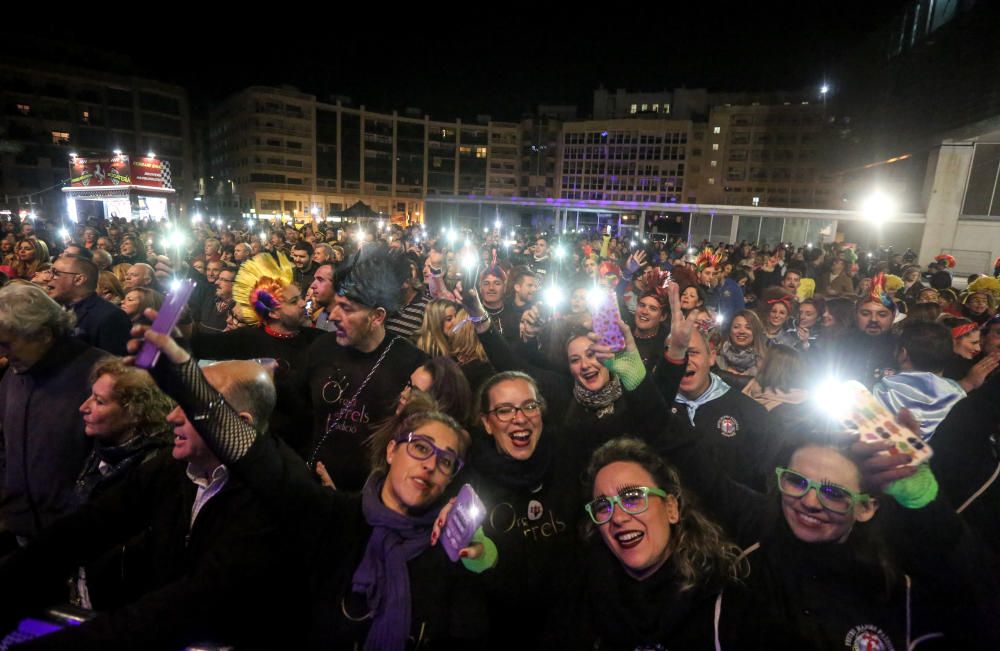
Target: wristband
[489,557]
[916,491]
[628,366]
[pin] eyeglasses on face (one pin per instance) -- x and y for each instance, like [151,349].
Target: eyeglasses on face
[834,498]
[506,413]
[422,447]
[55,273]
[633,501]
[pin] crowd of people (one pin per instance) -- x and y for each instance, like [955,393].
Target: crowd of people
[653,427]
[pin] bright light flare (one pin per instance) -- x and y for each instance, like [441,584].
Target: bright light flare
[470,260]
[878,207]
[834,398]
[596,298]
[553,296]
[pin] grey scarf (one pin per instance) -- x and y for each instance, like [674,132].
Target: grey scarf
[601,401]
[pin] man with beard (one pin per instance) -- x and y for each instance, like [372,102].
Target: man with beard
[868,353]
[353,374]
[302,253]
[270,302]
[722,295]
[525,285]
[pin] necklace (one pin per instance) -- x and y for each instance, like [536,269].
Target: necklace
[279,335]
[639,335]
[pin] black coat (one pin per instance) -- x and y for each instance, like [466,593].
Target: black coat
[102,324]
[44,446]
[206,581]
[967,459]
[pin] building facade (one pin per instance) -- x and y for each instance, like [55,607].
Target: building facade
[52,112]
[280,152]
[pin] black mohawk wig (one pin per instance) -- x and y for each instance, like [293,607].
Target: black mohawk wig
[374,277]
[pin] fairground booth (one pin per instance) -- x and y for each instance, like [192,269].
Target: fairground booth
[119,185]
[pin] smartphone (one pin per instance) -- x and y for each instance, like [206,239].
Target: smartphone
[605,317]
[874,422]
[464,518]
[166,319]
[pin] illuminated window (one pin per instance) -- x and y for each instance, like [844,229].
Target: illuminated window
[711,180]
[60,138]
[480,152]
[85,117]
[715,146]
[714,163]
[645,107]
[633,109]
[717,130]
[656,108]
[25,109]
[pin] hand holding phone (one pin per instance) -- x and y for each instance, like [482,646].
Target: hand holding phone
[465,517]
[605,318]
[166,319]
[873,422]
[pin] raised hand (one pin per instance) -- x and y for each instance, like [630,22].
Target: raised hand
[681,327]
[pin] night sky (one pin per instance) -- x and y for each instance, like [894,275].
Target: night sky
[504,63]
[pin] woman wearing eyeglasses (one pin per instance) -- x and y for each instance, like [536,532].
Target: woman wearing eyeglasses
[529,474]
[651,577]
[375,582]
[823,573]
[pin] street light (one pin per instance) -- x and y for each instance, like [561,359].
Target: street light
[824,89]
[878,207]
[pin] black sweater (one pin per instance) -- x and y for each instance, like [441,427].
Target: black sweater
[254,343]
[332,375]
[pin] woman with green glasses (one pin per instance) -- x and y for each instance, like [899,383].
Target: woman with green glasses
[651,578]
[824,573]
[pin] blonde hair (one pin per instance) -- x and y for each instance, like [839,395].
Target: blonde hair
[108,281]
[464,342]
[137,393]
[431,337]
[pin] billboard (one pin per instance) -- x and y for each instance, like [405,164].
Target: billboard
[100,172]
[114,171]
[151,173]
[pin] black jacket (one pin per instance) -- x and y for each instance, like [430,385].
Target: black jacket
[206,581]
[43,441]
[102,324]
[967,460]
[289,353]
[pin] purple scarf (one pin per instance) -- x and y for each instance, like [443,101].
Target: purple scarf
[382,577]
